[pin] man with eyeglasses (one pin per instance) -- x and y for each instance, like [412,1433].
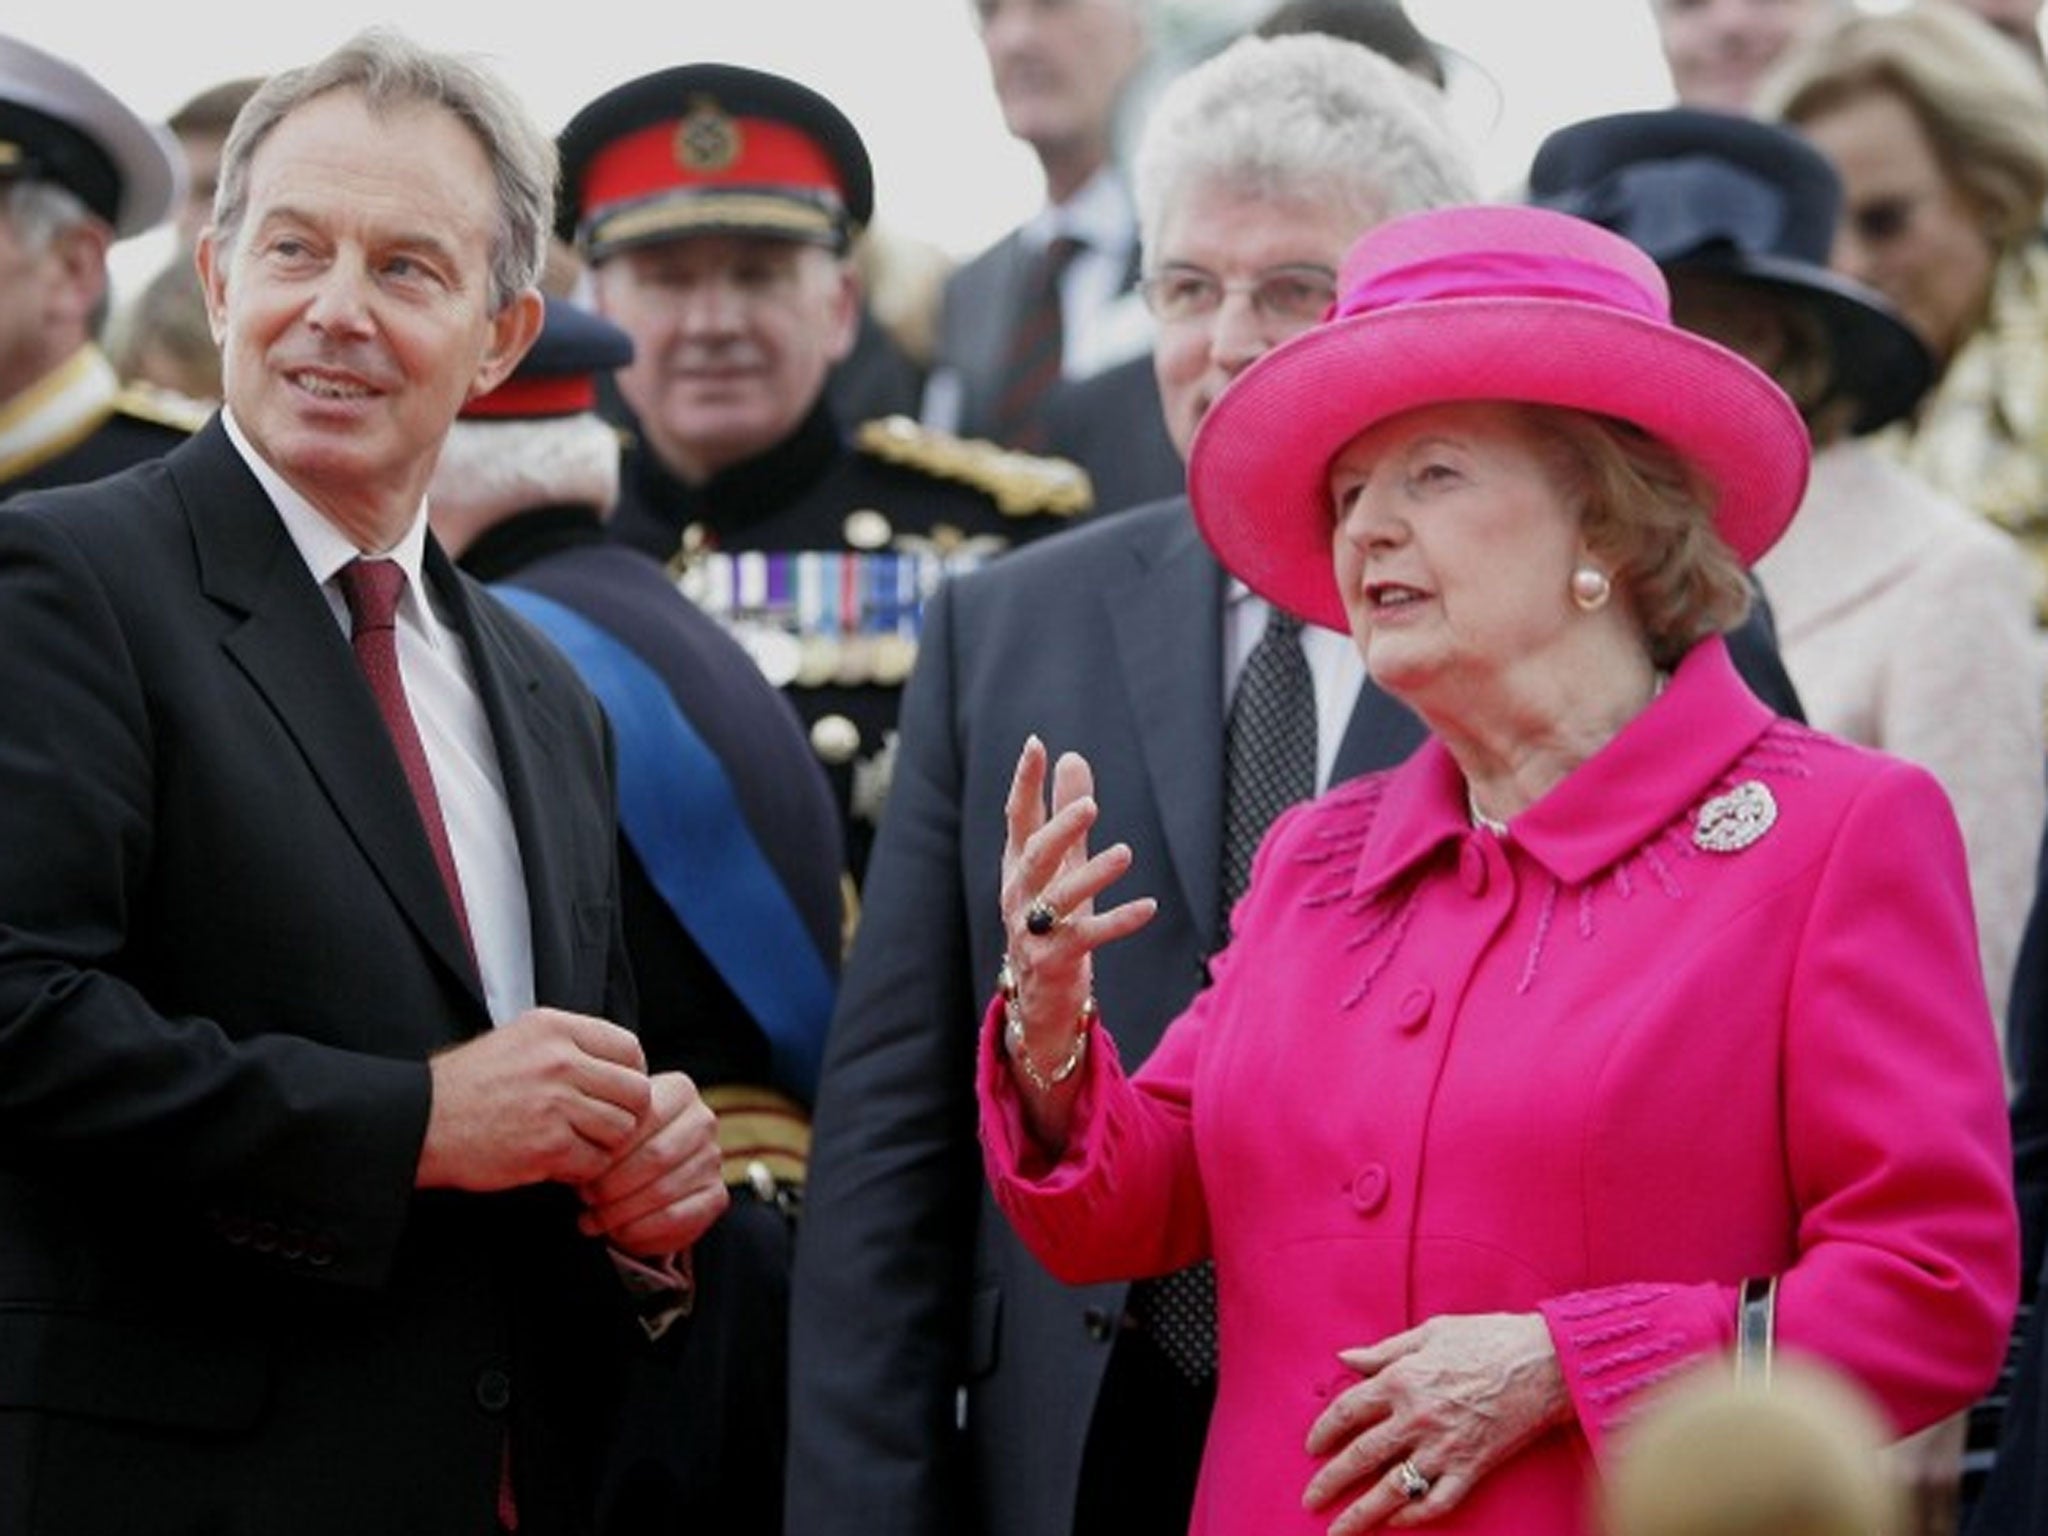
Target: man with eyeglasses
[943,1384]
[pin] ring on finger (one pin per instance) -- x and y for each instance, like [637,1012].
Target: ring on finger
[1040,918]
[1409,1479]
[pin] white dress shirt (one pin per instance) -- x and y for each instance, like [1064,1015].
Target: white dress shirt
[461,752]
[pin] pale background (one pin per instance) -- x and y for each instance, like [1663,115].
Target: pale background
[908,72]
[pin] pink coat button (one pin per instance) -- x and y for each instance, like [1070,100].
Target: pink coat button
[1412,1012]
[1369,1188]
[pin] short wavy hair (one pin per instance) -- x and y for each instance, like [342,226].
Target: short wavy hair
[391,72]
[1648,516]
[1979,100]
[1305,116]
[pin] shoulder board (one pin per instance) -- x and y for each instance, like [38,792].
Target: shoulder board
[164,407]
[1021,484]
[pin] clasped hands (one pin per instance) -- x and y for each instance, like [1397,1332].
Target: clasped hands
[566,1098]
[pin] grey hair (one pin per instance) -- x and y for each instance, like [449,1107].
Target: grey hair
[38,211]
[1306,116]
[490,469]
[390,72]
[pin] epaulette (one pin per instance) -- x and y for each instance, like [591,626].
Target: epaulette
[164,407]
[1021,484]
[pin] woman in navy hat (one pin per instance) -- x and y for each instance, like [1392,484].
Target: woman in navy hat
[1905,620]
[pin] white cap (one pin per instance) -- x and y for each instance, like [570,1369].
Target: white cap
[59,124]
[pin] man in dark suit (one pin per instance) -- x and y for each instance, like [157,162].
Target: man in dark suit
[330,1176]
[942,1382]
[78,171]
[1062,74]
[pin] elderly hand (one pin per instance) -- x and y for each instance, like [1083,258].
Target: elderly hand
[1049,886]
[1449,1401]
[666,1186]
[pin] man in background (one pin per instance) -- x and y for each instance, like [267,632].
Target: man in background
[729,882]
[716,208]
[78,171]
[1056,297]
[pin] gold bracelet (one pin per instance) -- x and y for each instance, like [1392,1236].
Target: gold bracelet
[1013,1035]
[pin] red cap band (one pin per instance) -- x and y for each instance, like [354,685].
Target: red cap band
[712,150]
[560,395]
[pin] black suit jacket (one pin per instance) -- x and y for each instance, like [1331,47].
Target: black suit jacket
[909,1284]
[225,956]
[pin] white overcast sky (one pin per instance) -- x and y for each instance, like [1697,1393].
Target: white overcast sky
[909,72]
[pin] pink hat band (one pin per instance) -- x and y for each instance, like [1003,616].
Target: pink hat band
[1498,275]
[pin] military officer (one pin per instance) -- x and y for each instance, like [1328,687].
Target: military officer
[729,888]
[78,171]
[717,206]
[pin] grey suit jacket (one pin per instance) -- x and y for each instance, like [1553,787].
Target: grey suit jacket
[909,1284]
[225,956]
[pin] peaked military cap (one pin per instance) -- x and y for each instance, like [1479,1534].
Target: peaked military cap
[558,375]
[60,125]
[711,149]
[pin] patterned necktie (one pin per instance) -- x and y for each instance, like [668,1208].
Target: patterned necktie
[1269,747]
[1031,366]
[1269,762]
[371,589]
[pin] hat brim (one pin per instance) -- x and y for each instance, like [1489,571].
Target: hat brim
[1258,468]
[1880,362]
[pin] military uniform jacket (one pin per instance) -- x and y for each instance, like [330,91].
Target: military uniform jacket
[690,1018]
[819,555]
[80,424]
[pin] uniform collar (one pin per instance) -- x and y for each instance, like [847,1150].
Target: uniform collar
[752,488]
[1653,771]
[57,412]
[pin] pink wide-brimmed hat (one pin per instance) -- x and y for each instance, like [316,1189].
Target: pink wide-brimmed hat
[1480,303]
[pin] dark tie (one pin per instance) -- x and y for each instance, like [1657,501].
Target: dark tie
[371,589]
[1269,747]
[1031,365]
[1269,762]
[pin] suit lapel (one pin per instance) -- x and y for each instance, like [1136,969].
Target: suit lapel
[1381,733]
[1167,619]
[528,735]
[293,652]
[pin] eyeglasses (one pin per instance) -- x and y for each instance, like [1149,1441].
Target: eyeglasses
[1298,295]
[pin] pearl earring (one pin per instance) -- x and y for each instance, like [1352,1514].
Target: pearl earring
[1590,589]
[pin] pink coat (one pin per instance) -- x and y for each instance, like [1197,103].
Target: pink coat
[1594,1069]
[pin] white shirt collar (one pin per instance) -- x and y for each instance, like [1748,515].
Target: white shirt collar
[1099,214]
[323,546]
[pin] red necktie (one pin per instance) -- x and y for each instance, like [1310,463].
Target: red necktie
[371,589]
[1031,365]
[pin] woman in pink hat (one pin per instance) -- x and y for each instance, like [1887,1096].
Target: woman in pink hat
[1623,1001]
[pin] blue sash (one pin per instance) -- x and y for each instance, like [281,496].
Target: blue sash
[679,812]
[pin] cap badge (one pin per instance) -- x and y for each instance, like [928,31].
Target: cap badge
[707,139]
[1730,823]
